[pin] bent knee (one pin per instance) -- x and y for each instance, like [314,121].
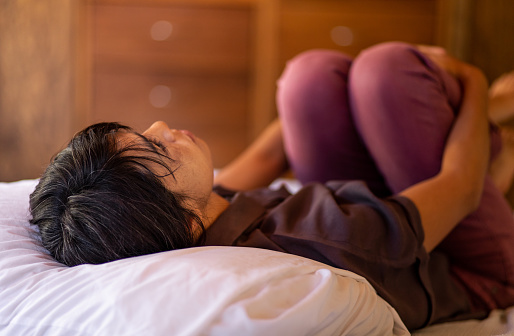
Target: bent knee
[387,62]
[393,68]
[311,68]
[312,81]
[317,59]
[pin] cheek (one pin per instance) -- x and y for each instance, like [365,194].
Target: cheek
[204,148]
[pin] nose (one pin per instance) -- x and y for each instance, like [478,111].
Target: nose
[160,129]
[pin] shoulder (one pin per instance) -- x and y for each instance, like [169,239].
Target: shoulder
[351,204]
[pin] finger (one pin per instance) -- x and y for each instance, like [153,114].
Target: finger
[429,49]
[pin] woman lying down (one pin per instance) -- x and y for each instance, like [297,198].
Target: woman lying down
[392,147]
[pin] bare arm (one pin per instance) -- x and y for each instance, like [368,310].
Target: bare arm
[262,162]
[444,200]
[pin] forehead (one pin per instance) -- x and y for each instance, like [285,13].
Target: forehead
[137,145]
[126,139]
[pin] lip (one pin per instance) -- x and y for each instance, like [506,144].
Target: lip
[189,134]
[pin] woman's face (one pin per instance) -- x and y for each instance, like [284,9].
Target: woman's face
[192,163]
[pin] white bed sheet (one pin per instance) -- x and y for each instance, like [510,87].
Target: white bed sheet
[498,323]
[198,291]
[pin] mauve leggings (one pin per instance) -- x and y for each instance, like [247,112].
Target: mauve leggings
[384,117]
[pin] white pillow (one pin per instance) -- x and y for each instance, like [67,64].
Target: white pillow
[197,291]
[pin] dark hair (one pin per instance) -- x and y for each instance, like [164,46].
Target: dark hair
[97,202]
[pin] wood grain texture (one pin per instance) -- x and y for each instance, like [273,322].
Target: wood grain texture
[480,32]
[36,84]
[314,24]
[492,36]
[50,79]
[202,63]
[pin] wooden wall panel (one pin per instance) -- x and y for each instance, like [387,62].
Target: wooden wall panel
[36,84]
[352,25]
[492,36]
[44,62]
[480,32]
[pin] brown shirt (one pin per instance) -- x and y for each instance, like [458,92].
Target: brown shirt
[344,225]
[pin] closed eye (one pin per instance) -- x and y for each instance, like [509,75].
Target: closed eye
[155,143]
[158,144]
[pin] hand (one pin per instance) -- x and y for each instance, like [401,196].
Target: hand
[444,200]
[452,65]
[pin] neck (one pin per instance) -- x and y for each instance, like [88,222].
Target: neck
[216,205]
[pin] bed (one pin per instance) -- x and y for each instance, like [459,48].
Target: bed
[196,291]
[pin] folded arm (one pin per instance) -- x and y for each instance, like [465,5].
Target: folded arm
[444,200]
[261,163]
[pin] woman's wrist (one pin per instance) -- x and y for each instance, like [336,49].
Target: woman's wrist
[470,73]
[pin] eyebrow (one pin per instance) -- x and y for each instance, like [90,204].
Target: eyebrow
[152,142]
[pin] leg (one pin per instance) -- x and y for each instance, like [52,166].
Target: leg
[319,134]
[502,168]
[501,104]
[501,111]
[403,107]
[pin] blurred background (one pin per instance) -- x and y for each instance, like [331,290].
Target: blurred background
[209,66]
